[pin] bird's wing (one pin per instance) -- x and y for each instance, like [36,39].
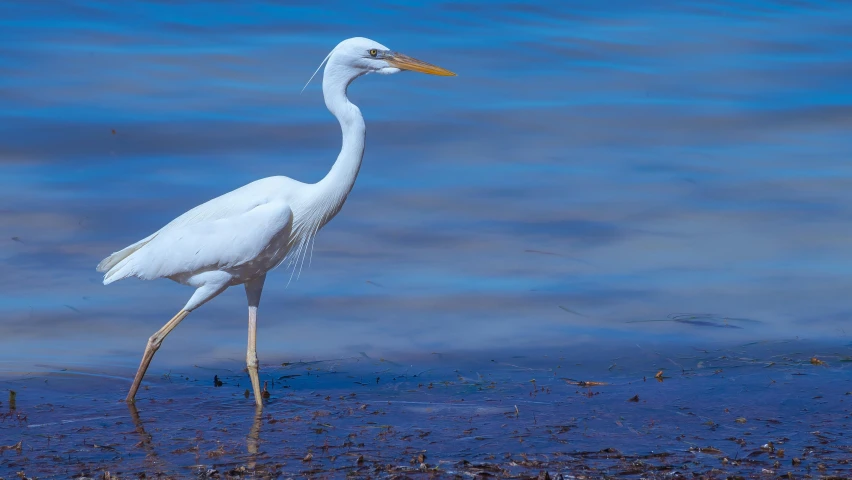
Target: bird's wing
[227,205]
[225,232]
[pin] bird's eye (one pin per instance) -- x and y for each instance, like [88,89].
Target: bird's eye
[374,52]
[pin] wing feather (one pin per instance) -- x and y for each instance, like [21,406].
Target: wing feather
[223,233]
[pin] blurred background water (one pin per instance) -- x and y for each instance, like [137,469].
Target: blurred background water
[594,164]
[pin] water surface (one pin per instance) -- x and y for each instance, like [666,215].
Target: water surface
[591,166]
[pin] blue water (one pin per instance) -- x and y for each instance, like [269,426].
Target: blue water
[625,161]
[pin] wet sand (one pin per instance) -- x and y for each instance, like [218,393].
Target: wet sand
[762,409]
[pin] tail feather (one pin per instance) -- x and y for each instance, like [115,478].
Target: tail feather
[113,265]
[122,270]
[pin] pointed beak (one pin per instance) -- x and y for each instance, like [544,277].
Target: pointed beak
[404,62]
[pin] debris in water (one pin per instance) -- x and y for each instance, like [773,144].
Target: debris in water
[542,252]
[571,311]
[69,307]
[707,450]
[216,453]
[583,383]
[634,398]
[16,447]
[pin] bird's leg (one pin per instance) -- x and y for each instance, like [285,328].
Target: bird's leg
[251,355]
[153,345]
[253,291]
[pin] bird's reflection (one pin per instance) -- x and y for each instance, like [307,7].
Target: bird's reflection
[146,440]
[152,459]
[253,440]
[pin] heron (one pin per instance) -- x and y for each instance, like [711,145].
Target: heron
[238,237]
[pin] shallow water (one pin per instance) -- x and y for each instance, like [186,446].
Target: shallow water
[764,408]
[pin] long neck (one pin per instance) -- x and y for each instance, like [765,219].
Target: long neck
[341,178]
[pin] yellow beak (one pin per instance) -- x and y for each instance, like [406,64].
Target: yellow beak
[404,62]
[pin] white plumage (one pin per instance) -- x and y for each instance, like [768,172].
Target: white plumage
[240,232]
[238,237]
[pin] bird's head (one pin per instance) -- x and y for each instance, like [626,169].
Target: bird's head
[357,56]
[370,56]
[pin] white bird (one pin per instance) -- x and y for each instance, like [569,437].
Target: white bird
[240,236]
